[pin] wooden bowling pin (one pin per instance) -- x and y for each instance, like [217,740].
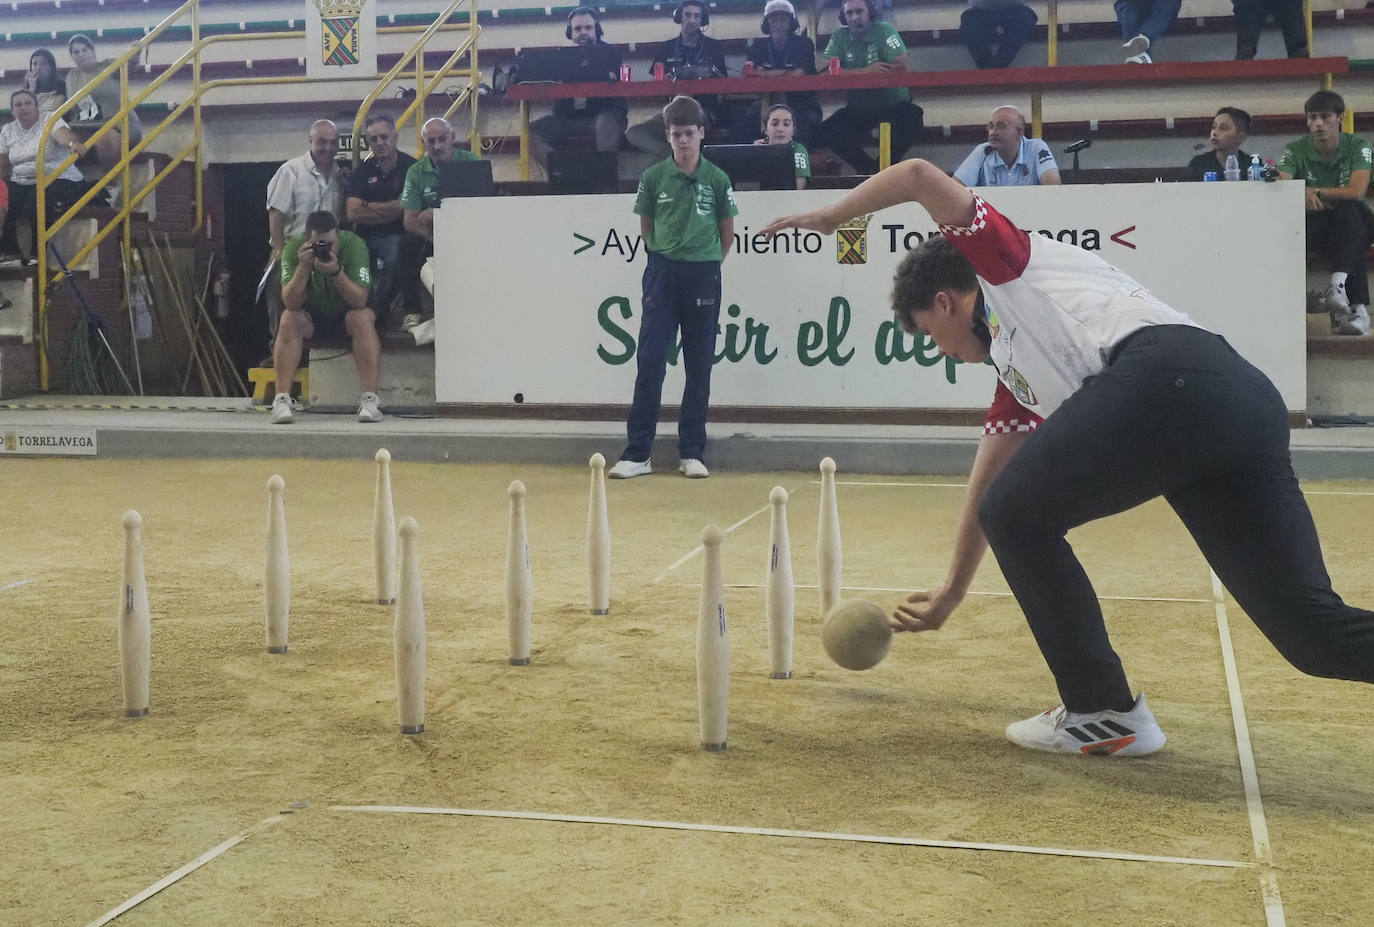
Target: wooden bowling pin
[713,647]
[518,584]
[135,622]
[409,633]
[779,594]
[828,559]
[598,540]
[276,579]
[384,531]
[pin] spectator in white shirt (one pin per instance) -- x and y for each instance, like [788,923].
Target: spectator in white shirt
[1008,158]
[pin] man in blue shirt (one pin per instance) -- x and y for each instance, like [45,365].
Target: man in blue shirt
[1008,158]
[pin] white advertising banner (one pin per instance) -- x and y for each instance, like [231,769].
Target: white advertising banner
[538,297]
[340,38]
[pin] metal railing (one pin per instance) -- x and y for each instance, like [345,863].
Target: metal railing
[192,153]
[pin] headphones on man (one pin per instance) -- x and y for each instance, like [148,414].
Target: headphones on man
[763,25]
[873,12]
[705,12]
[585,11]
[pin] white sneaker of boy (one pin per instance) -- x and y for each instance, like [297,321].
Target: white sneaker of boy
[1113,733]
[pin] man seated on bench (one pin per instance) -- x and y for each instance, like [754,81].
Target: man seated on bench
[1340,227]
[1008,158]
[325,278]
[603,118]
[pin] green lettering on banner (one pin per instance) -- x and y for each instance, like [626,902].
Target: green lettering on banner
[610,327]
[811,336]
[733,351]
[891,344]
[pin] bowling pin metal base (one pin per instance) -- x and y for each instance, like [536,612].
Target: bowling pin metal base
[135,712]
[525,661]
[713,748]
[386,601]
[413,729]
[787,675]
[600,611]
[276,650]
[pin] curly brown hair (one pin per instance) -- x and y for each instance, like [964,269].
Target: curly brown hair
[932,266]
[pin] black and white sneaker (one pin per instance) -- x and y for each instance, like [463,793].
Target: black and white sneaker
[1112,733]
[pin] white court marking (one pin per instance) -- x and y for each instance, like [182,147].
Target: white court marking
[1001,595]
[799,834]
[184,871]
[696,550]
[22,582]
[1259,829]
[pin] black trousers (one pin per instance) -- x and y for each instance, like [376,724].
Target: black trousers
[24,204]
[1342,236]
[1250,16]
[1178,413]
[847,130]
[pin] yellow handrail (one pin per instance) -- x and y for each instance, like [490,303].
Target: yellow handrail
[192,152]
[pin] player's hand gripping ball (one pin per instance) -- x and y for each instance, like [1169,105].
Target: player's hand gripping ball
[856,634]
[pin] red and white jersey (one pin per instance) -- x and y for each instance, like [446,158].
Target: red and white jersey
[1055,311]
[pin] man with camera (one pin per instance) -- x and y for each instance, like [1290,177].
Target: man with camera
[325,279]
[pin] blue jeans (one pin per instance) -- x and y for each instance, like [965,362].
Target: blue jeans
[395,269]
[1150,18]
[681,295]
[979,27]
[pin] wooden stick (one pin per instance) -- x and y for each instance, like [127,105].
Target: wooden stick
[194,361]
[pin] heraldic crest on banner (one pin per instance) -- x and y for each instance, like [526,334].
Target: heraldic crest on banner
[851,241]
[342,39]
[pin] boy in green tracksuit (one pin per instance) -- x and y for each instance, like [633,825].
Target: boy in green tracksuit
[686,211]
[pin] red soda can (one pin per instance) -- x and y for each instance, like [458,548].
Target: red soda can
[625,73]
[748,69]
[834,65]
[658,70]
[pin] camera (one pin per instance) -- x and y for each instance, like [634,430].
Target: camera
[323,251]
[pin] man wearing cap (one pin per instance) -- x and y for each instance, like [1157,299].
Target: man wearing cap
[783,52]
[1008,159]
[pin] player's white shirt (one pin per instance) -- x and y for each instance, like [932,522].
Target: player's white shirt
[1055,311]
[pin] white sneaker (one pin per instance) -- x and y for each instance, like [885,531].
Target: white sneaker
[1142,58]
[410,321]
[693,469]
[1136,45]
[1335,300]
[11,260]
[1115,733]
[370,408]
[628,469]
[281,409]
[1356,322]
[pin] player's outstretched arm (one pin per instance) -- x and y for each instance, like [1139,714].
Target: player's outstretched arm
[948,201]
[928,610]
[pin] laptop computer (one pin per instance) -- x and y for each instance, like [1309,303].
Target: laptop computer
[466,178]
[583,172]
[570,64]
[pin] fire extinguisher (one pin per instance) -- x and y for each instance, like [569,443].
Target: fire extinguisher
[221,290]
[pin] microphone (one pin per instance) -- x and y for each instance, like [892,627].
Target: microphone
[1078,146]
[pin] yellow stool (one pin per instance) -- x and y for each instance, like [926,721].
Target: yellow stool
[264,377]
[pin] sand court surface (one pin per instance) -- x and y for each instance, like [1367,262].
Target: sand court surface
[887,796]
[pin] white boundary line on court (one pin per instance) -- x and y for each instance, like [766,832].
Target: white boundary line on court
[696,550]
[1259,828]
[798,834]
[1000,595]
[184,871]
[22,582]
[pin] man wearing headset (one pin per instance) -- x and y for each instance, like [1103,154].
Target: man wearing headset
[866,45]
[602,117]
[783,52]
[689,54]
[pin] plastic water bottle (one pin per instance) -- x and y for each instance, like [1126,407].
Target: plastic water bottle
[1232,168]
[1256,170]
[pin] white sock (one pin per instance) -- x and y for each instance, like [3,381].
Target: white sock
[279,395]
[1338,278]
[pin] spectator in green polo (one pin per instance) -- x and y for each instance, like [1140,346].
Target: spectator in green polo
[1340,227]
[420,194]
[326,277]
[686,211]
[866,45]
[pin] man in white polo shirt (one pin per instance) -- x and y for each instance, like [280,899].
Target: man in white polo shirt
[1008,158]
[1107,398]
